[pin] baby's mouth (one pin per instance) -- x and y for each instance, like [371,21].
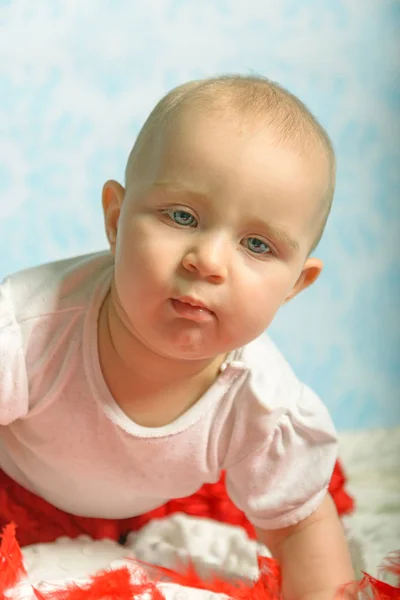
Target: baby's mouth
[190,310]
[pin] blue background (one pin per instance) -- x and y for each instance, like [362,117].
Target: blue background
[77,80]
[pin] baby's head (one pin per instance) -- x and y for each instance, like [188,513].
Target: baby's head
[249,102]
[228,189]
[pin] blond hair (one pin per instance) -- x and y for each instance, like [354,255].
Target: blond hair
[249,96]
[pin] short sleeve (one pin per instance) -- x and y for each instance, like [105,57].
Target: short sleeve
[14,397]
[285,480]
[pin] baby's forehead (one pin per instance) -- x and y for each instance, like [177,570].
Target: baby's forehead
[218,157]
[287,123]
[286,126]
[229,128]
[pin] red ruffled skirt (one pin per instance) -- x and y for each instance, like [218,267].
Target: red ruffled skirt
[37,521]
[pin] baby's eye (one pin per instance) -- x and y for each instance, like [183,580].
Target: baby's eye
[257,246]
[182,217]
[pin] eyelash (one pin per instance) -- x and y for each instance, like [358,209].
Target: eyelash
[171,212]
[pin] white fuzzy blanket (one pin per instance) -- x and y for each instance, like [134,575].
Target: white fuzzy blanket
[372,463]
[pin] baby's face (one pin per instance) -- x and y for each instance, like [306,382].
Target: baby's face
[223,218]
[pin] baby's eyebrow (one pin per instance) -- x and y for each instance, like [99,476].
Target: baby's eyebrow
[280,234]
[275,231]
[179,186]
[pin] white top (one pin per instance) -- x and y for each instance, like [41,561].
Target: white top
[63,436]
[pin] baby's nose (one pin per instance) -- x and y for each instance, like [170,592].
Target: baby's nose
[208,258]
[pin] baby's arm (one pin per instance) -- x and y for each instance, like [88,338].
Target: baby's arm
[313,555]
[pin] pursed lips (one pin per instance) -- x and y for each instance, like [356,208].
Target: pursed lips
[193,309]
[193,302]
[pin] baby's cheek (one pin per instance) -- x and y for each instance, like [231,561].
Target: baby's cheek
[247,318]
[259,310]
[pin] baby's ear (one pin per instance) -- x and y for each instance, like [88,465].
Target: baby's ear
[311,271]
[112,197]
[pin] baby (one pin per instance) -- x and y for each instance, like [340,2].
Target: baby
[134,376]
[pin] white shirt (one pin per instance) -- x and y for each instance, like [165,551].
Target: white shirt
[63,437]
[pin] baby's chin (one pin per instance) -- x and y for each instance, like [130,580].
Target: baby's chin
[189,345]
[190,349]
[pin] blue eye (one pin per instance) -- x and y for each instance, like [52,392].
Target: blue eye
[257,246]
[181,217]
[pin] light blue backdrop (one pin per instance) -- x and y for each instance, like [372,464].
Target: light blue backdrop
[77,79]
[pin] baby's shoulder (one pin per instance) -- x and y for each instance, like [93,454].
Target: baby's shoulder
[272,390]
[266,389]
[271,401]
[271,380]
[53,287]
[37,307]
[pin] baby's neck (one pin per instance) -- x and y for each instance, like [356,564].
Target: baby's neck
[150,389]
[123,353]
